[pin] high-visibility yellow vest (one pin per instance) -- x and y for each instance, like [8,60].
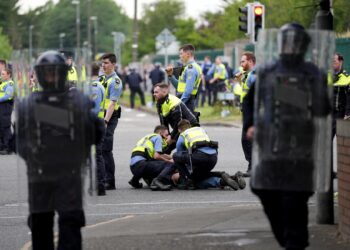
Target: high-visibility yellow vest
[222,74]
[169,104]
[72,74]
[195,134]
[237,89]
[101,113]
[145,145]
[83,73]
[106,85]
[342,81]
[245,87]
[181,85]
[2,88]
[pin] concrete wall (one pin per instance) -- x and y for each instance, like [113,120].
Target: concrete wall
[343,143]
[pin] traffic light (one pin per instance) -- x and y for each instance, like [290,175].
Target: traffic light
[244,19]
[258,20]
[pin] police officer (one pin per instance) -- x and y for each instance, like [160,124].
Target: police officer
[157,76]
[341,88]
[6,107]
[150,163]
[195,157]
[220,75]
[248,67]
[72,75]
[134,80]
[206,66]
[188,83]
[113,86]
[290,94]
[98,97]
[55,128]
[171,111]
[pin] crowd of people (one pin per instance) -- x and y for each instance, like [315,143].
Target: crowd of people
[178,153]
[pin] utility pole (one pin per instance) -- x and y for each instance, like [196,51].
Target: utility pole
[135,34]
[325,204]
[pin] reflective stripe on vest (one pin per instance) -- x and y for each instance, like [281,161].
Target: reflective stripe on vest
[2,88]
[195,134]
[169,104]
[106,85]
[181,85]
[145,143]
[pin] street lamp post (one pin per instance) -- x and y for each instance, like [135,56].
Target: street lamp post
[77,4]
[62,36]
[94,19]
[31,27]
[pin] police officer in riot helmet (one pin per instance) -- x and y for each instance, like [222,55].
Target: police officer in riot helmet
[292,93]
[55,132]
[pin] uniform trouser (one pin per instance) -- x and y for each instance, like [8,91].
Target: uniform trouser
[150,169]
[197,166]
[247,148]
[288,216]
[70,223]
[190,103]
[135,91]
[107,149]
[100,165]
[201,95]
[5,125]
[210,92]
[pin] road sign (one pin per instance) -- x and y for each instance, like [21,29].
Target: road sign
[165,37]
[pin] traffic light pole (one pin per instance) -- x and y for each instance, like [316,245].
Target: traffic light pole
[325,204]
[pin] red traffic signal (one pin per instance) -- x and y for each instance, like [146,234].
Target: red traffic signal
[258,10]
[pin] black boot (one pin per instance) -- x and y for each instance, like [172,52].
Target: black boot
[158,185]
[238,177]
[226,180]
[135,183]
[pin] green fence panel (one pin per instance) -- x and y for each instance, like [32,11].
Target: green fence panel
[343,47]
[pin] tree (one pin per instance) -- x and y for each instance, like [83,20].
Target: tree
[5,48]
[9,19]
[61,18]
[156,17]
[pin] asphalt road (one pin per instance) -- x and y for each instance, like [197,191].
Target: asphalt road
[125,201]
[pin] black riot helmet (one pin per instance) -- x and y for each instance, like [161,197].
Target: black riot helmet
[51,70]
[293,42]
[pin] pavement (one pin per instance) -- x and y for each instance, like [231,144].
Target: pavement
[141,219]
[240,226]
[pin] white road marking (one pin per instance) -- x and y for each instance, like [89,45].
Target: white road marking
[175,202]
[28,245]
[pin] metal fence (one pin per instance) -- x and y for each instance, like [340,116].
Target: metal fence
[342,46]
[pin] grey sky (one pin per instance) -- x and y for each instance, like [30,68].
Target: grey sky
[193,7]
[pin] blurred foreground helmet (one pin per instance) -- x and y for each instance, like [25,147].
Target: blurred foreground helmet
[51,70]
[293,42]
